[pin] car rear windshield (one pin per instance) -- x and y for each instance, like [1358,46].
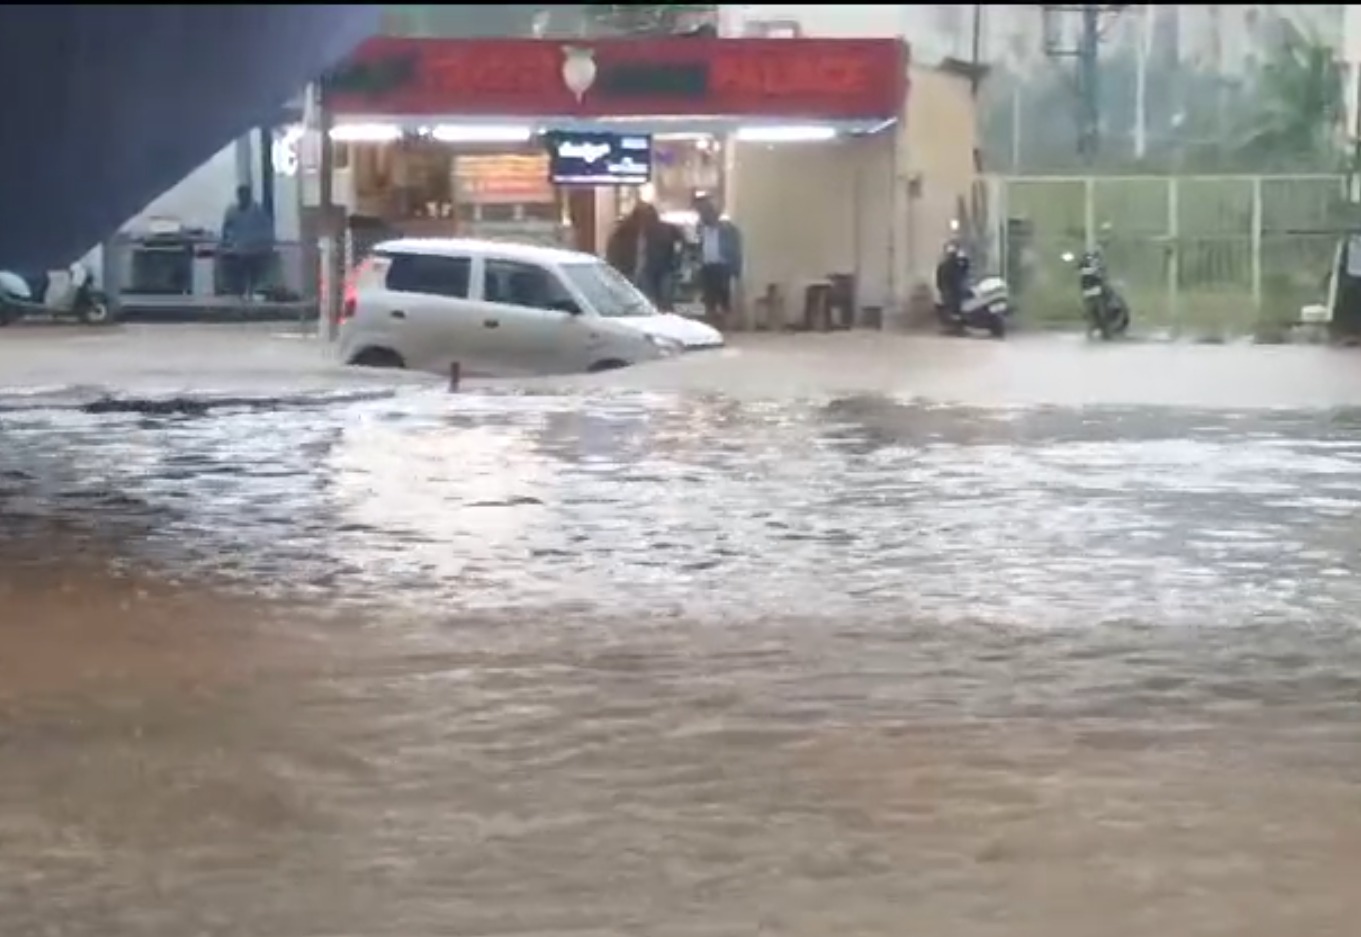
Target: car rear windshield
[607,290]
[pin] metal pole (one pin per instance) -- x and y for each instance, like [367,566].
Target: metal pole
[976,52]
[1089,241]
[1256,241]
[1354,177]
[1174,254]
[266,136]
[1141,84]
[1090,105]
[1015,126]
[329,282]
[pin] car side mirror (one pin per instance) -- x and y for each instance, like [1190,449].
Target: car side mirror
[567,306]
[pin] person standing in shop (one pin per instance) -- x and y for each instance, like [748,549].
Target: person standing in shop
[646,249]
[720,260]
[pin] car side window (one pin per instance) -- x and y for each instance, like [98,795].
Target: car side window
[430,274]
[520,284]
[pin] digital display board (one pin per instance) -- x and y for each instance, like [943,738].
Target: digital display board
[599,158]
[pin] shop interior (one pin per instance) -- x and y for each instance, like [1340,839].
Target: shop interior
[485,181]
[495,182]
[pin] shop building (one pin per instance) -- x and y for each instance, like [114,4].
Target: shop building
[807,143]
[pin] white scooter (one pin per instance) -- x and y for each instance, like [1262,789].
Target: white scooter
[69,293]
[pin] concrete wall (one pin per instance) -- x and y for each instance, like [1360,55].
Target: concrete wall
[935,31]
[939,138]
[200,199]
[852,205]
[810,209]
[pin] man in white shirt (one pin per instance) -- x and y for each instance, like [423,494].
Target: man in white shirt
[720,251]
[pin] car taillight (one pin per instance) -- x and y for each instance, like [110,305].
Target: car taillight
[351,299]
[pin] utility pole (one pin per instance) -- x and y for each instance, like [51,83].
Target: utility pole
[1142,48]
[1089,88]
[1087,52]
[976,52]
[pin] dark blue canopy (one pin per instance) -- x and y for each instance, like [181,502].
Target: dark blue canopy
[105,107]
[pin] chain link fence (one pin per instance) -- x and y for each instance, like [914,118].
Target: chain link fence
[1200,256]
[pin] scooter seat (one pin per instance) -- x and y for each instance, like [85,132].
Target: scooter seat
[14,286]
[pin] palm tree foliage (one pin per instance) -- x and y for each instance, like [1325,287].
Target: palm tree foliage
[646,19]
[1299,109]
[1284,115]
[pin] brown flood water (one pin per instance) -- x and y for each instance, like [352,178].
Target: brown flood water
[660,661]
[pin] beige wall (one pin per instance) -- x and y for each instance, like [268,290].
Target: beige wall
[938,140]
[810,209]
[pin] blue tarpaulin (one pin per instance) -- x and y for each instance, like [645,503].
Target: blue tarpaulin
[106,107]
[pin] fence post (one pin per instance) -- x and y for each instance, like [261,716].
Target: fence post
[1089,213]
[1174,254]
[1257,246]
[1001,227]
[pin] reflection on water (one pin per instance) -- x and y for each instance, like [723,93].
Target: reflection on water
[666,663]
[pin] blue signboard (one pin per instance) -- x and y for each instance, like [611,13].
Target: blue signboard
[599,158]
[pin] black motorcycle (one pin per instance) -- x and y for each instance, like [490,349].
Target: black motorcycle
[1106,310]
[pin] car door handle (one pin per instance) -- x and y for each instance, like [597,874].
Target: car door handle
[491,323]
[397,314]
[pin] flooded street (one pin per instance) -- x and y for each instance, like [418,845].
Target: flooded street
[849,634]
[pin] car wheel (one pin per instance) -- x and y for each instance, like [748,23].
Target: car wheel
[378,358]
[609,364]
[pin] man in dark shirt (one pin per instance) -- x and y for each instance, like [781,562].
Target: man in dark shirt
[247,243]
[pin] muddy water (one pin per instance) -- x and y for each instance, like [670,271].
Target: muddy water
[660,661]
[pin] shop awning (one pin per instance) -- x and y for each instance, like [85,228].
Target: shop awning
[108,106]
[453,128]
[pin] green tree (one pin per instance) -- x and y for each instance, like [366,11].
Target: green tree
[1296,119]
[644,19]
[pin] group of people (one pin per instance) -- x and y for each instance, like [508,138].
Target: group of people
[650,251]
[644,247]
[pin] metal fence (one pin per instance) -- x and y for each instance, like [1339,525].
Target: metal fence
[186,275]
[1196,255]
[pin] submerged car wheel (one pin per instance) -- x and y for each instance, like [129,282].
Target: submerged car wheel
[378,358]
[609,364]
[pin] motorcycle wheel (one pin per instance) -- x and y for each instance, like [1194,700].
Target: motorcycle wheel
[1098,320]
[1121,324]
[997,328]
[95,311]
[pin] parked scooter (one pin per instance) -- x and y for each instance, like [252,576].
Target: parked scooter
[69,293]
[963,304]
[1106,310]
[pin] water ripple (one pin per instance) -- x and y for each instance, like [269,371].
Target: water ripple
[674,663]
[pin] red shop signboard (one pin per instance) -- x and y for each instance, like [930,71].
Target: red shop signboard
[794,78]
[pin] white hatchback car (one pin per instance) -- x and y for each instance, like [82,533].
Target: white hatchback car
[502,309]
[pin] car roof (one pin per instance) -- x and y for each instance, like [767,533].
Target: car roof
[465,247]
